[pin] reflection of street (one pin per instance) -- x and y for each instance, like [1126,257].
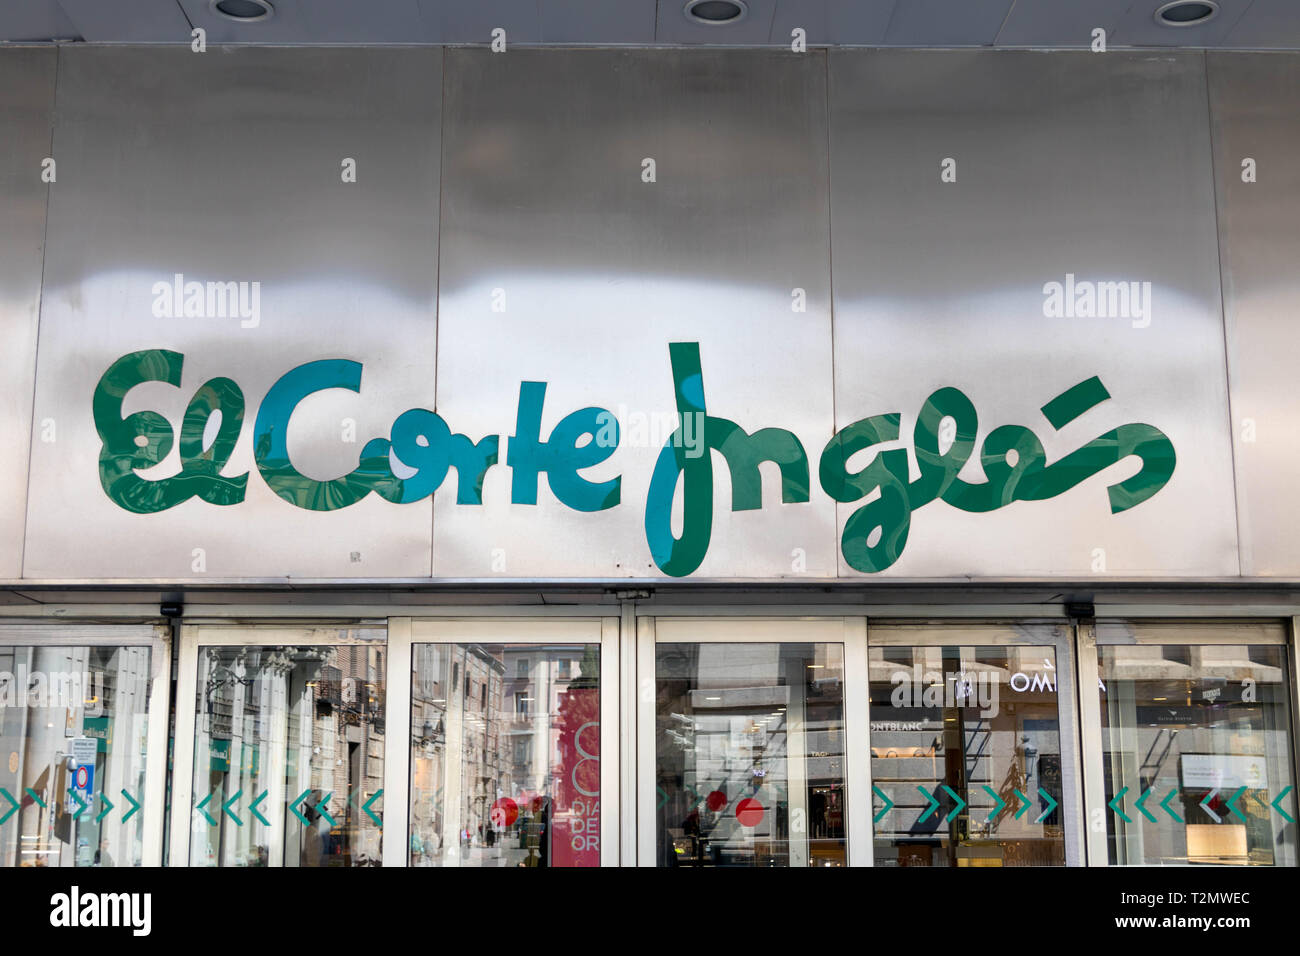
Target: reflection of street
[750,758]
[288,755]
[505,752]
[75,737]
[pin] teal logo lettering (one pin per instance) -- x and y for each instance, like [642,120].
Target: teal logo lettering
[1014,463]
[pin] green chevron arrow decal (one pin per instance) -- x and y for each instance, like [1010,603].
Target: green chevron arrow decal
[297,802]
[320,808]
[1142,800]
[934,804]
[1280,797]
[1024,803]
[14,809]
[202,804]
[35,796]
[663,798]
[999,804]
[370,813]
[108,805]
[695,793]
[1205,805]
[252,808]
[961,804]
[1232,805]
[1051,805]
[889,804]
[134,806]
[1114,805]
[225,808]
[1164,804]
[81,804]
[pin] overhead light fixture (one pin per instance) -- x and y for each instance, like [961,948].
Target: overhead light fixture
[245,11]
[716,12]
[1186,13]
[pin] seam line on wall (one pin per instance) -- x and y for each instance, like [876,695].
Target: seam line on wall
[830,294]
[437,268]
[40,308]
[1233,460]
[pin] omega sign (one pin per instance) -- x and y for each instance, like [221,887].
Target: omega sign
[1014,464]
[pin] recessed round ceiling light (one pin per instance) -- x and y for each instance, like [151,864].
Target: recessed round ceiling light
[716,12]
[1186,13]
[245,11]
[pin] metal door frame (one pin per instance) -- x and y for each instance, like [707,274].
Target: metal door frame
[692,627]
[494,627]
[229,633]
[949,632]
[158,639]
[1213,630]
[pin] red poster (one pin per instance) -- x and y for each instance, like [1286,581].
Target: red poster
[575,833]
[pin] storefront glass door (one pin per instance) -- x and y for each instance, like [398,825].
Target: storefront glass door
[1195,740]
[512,759]
[280,760]
[746,741]
[972,745]
[83,725]
[743,733]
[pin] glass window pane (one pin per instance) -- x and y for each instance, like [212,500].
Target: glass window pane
[73,734]
[288,756]
[508,774]
[749,743]
[1200,735]
[966,756]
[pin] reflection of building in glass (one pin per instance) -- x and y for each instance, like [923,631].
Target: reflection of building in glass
[305,727]
[65,711]
[504,710]
[751,754]
[456,704]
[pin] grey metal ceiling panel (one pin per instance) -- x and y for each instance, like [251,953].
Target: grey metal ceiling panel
[320,21]
[1051,23]
[848,22]
[474,22]
[1138,27]
[28,20]
[754,29]
[1267,25]
[1240,24]
[129,21]
[598,21]
[946,22]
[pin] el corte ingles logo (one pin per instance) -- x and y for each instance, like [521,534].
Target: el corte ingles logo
[943,439]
